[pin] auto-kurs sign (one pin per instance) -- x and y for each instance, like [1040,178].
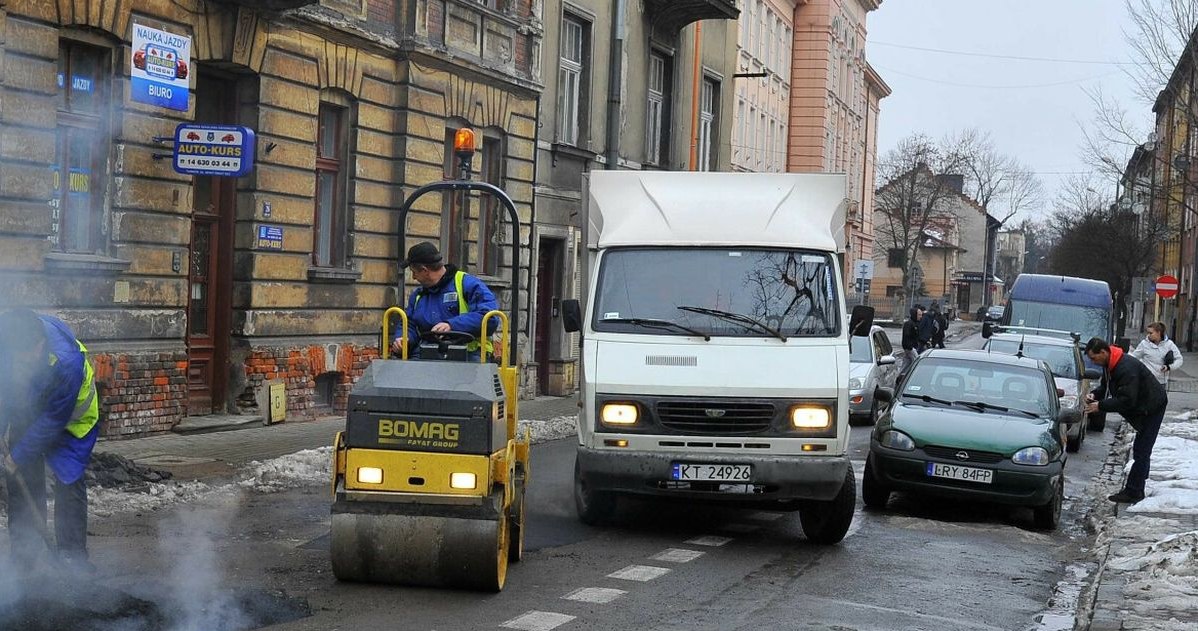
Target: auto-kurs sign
[223,150]
[160,69]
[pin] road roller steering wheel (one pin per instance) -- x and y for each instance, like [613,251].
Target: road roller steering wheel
[448,337]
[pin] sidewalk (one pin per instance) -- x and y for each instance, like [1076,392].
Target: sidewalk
[1147,575]
[194,456]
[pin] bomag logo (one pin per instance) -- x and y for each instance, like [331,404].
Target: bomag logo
[418,430]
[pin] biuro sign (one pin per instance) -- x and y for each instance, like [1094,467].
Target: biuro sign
[160,68]
[213,150]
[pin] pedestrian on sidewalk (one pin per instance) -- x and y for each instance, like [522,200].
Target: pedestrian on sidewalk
[1158,353]
[1130,389]
[910,342]
[49,416]
[941,324]
[927,328]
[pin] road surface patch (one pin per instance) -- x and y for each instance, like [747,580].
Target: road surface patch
[600,595]
[676,555]
[709,540]
[642,573]
[764,516]
[537,621]
[741,528]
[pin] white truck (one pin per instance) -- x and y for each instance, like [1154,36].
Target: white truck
[715,352]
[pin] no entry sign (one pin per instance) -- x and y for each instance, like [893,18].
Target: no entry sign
[1166,286]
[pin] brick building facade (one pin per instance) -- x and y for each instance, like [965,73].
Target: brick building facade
[185,310]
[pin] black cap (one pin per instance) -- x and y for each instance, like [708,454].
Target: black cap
[423,253]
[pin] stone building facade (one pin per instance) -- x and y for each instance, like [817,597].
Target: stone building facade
[185,307]
[759,127]
[628,85]
[834,97]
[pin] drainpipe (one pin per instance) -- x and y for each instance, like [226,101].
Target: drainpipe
[615,81]
[694,162]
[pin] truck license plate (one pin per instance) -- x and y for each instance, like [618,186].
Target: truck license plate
[955,472]
[711,472]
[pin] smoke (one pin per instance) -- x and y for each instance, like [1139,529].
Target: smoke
[198,599]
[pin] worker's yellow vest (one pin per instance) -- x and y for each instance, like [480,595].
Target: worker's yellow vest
[87,405]
[464,307]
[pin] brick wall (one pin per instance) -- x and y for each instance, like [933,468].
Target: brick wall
[298,368]
[140,393]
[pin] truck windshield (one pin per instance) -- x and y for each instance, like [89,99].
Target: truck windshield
[1088,321]
[792,292]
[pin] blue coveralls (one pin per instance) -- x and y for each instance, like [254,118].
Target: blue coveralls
[54,422]
[428,307]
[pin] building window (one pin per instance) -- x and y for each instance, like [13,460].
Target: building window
[657,116]
[328,243]
[491,219]
[81,148]
[708,115]
[572,81]
[896,257]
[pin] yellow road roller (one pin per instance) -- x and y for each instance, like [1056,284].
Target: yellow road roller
[429,474]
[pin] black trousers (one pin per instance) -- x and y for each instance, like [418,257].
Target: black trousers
[1141,452]
[70,514]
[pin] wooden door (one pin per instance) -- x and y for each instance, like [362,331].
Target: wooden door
[547,295]
[210,273]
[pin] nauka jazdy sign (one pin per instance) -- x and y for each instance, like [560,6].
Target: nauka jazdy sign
[160,67]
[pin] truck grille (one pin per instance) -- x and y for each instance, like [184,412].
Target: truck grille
[715,417]
[975,457]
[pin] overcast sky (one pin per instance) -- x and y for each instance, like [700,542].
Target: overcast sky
[1031,108]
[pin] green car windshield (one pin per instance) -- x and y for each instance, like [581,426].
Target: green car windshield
[1061,360]
[955,380]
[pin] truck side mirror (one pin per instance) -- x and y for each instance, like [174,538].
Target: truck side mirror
[572,315]
[885,395]
[861,320]
[987,330]
[1093,373]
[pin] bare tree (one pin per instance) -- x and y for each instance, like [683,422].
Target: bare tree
[1000,183]
[909,201]
[1097,240]
[1157,35]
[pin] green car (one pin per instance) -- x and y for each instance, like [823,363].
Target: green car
[976,426]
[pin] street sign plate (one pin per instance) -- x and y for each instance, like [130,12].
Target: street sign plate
[1167,286]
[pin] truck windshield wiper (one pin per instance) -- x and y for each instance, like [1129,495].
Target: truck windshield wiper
[735,317]
[654,323]
[926,398]
[982,405]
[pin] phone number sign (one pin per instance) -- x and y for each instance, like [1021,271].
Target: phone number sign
[160,67]
[222,150]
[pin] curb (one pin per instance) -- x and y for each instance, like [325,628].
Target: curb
[1087,617]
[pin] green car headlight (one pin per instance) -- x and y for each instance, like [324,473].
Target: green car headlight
[897,440]
[1037,456]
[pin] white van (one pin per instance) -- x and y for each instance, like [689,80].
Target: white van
[715,358]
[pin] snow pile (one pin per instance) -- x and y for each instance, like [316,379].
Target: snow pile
[1164,574]
[310,467]
[552,429]
[1173,487]
[102,501]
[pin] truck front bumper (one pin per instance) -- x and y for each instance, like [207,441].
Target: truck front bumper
[774,478]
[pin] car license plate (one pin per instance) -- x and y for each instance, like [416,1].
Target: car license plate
[955,472]
[711,472]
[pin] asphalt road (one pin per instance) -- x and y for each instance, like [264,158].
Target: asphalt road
[919,564]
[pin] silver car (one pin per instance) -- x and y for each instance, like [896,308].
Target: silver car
[872,366]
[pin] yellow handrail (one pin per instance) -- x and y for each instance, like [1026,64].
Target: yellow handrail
[403,316]
[504,332]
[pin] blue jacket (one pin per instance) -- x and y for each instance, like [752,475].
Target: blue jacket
[52,397]
[439,303]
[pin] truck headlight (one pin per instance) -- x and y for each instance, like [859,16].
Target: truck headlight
[810,417]
[855,384]
[1031,455]
[619,414]
[370,475]
[460,480]
[897,440]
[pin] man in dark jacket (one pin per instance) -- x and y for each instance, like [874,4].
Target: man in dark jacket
[940,323]
[1129,389]
[448,299]
[911,345]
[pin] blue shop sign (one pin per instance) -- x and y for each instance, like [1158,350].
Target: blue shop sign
[222,150]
